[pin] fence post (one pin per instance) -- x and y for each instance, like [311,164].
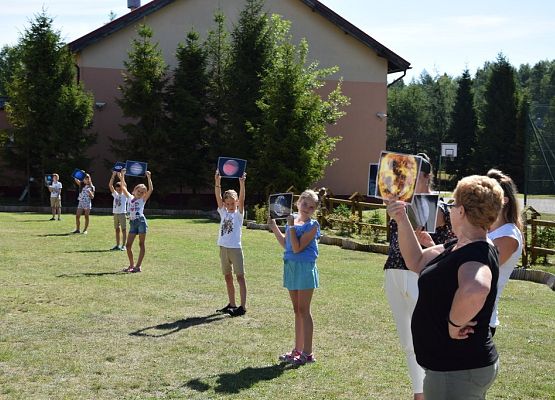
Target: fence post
[534,242]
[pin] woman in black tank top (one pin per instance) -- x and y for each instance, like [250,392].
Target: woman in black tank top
[457,288]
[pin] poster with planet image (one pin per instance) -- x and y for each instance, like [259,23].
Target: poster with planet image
[135,168]
[231,167]
[372,178]
[48,179]
[280,205]
[397,176]
[118,166]
[78,174]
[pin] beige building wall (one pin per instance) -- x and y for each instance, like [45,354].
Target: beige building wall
[364,77]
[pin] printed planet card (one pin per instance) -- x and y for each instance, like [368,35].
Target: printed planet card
[48,179]
[372,177]
[135,168]
[118,166]
[280,205]
[231,167]
[78,174]
[422,212]
[397,176]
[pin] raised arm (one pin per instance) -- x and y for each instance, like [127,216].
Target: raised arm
[121,176]
[242,192]
[415,257]
[77,182]
[150,186]
[474,286]
[111,183]
[278,234]
[218,189]
[299,244]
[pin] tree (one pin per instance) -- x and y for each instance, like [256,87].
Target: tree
[48,109]
[142,100]
[187,124]
[292,146]
[218,53]
[499,119]
[251,54]
[463,130]
[9,57]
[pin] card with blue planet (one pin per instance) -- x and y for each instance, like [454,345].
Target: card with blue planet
[135,168]
[78,174]
[229,167]
[118,166]
[372,179]
[48,179]
[280,205]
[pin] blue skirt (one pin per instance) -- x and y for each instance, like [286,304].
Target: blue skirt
[300,275]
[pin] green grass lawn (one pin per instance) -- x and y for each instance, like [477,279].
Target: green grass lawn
[73,327]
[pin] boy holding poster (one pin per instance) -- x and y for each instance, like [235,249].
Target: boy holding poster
[232,210]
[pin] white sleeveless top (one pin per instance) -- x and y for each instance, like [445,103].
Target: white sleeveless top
[505,270]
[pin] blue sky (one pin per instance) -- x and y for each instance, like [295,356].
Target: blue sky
[436,36]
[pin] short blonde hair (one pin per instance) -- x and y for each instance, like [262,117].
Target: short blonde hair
[482,199]
[140,186]
[230,194]
[57,176]
[311,195]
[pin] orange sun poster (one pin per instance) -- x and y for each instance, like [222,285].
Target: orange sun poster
[397,176]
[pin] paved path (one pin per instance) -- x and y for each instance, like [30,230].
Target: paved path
[541,205]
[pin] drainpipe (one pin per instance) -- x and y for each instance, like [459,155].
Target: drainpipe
[398,79]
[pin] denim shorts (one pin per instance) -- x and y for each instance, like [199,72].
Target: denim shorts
[138,226]
[300,275]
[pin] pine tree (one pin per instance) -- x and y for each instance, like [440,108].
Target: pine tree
[218,53]
[463,130]
[292,146]
[142,101]
[499,118]
[48,109]
[251,54]
[187,125]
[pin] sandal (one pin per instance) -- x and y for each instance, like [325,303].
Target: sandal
[136,269]
[128,269]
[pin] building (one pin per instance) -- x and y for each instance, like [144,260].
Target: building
[364,65]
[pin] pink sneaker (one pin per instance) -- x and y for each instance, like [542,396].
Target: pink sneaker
[289,357]
[303,359]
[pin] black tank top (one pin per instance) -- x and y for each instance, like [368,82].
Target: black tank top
[437,284]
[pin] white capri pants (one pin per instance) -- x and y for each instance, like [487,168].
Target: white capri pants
[401,289]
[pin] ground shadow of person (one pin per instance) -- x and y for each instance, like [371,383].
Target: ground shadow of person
[80,274]
[173,327]
[55,234]
[232,383]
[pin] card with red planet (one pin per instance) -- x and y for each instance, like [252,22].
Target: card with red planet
[231,167]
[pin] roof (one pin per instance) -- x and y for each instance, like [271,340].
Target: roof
[395,63]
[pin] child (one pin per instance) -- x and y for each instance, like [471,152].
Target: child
[137,219]
[119,210]
[86,194]
[300,273]
[55,196]
[232,209]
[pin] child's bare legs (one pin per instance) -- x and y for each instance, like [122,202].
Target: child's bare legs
[78,219]
[230,289]
[87,212]
[242,289]
[129,245]
[59,211]
[142,249]
[304,326]
[117,237]
[123,236]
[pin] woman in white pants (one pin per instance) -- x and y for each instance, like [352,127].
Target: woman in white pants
[400,284]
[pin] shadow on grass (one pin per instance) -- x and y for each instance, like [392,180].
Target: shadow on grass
[91,251]
[174,327]
[56,234]
[35,220]
[81,274]
[230,383]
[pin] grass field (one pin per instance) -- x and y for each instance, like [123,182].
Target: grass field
[73,327]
